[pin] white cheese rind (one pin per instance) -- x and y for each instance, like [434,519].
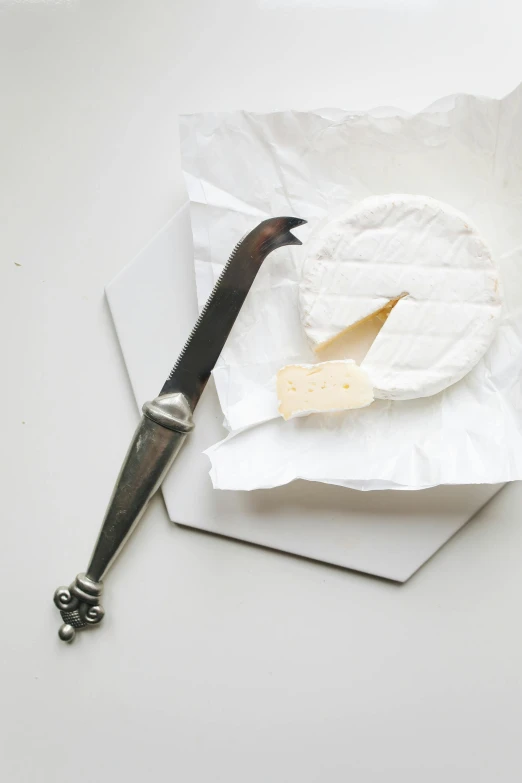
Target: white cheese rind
[324,387]
[401,244]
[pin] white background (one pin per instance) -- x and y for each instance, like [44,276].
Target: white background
[216,661]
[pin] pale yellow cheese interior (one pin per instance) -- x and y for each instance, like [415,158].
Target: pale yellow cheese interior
[327,386]
[356,339]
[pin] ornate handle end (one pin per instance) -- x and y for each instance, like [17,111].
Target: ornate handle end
[79,606]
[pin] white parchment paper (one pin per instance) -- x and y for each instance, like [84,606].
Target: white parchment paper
[242,168]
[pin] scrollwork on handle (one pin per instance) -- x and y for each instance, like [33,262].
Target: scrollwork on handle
[79,606]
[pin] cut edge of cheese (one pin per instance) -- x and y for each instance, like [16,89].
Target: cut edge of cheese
[326,387]
[381,314]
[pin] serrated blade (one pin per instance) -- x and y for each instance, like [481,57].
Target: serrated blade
[202,349]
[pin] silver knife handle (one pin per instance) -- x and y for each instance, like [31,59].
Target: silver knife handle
[159,436]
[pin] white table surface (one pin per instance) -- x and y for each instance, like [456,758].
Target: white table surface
[217,661]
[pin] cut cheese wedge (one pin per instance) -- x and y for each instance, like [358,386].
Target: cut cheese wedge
[323,387]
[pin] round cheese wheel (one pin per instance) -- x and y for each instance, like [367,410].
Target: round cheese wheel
[422,265]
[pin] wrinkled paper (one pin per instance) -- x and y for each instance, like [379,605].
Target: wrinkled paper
[243,167]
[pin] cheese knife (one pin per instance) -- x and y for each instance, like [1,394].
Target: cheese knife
[167,420]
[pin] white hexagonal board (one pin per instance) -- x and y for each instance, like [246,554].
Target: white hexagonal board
[386,533]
